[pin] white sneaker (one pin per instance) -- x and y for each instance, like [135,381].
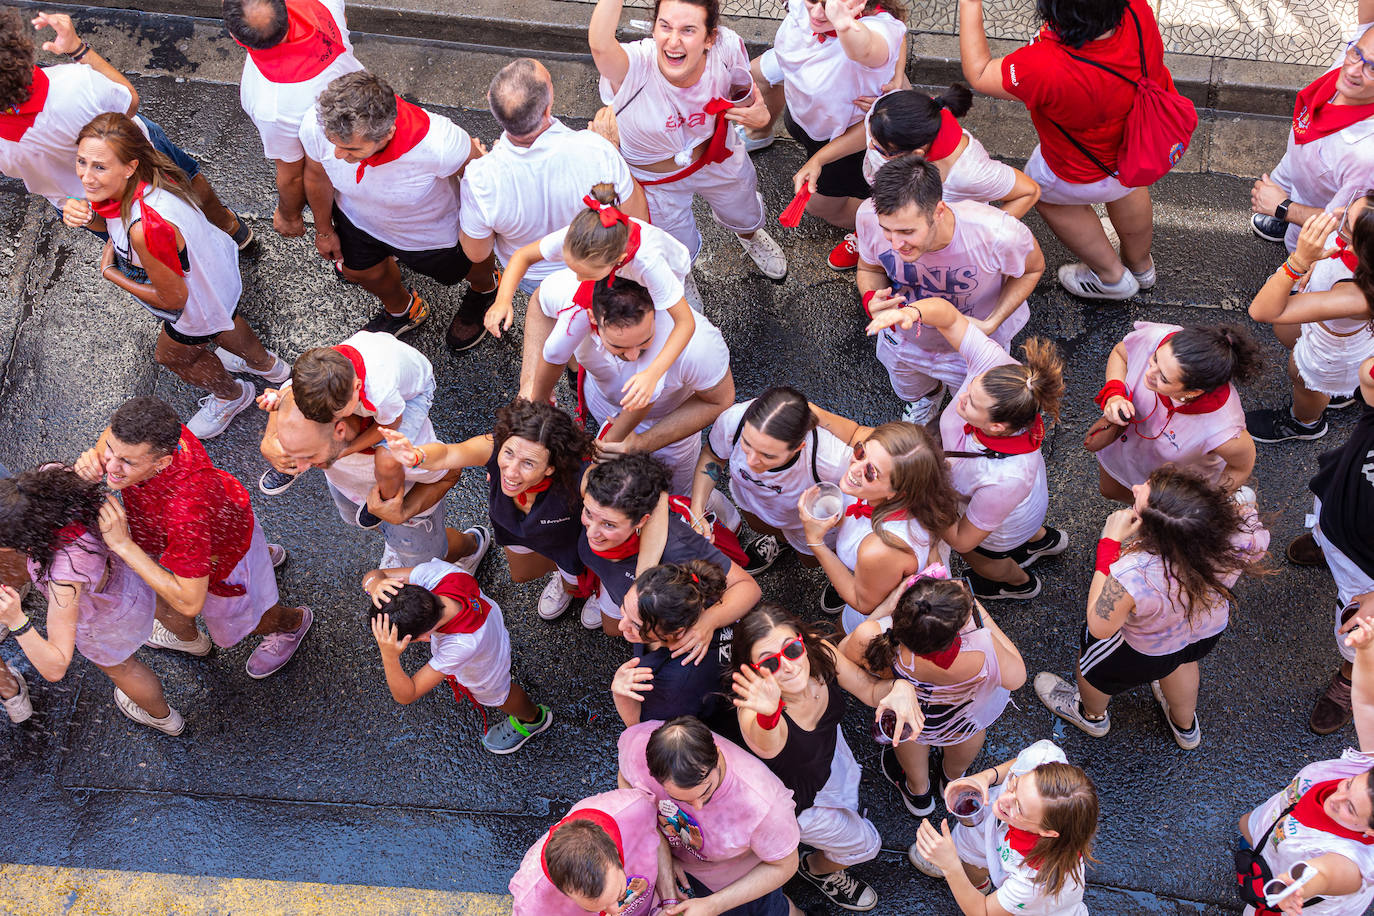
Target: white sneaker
[19,707]
[920,411]
[753,144]
[473,560]
[591,614]
[1187,740]
[1145,278]
[215,415]
[766,253]
[278,554]
[691,293]
[923,865]
[1244,497]
[237,365]
[172,724]
[163,638]
[1082,281]
[554,600]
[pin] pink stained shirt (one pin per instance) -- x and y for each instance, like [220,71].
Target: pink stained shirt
[749,819]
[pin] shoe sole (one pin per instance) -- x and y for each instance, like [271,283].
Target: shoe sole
[841,269]
[1036,555]
[258,677]
[1013,596]
[277,490]
[1288,552]
[467,346]
[1306,437]
[1254,230]
[818,882]
[502,752]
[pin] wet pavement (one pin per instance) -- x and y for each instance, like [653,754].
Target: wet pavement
[316,775]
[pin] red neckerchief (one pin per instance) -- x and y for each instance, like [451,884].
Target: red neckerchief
[600,819]
[822,36]
[947,138]
[583,297]
[158,235]
[1023,841]
[945,657]
[862,509]
[1348,257]
[412,125]
[68,533]
[312,43]
[1316,116]
[1206,402]
[525,498]
[1309,812]
[360,370]
[716,148]
[623,552]
[15,121]
[473,606]
[1022,443]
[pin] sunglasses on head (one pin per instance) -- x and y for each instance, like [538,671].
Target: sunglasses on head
[870,471]
[791,650]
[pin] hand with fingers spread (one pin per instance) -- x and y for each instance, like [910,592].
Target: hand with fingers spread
[381,590]
[844,13]
[693,643]
[757,691]
[385,632]
[632,680]
[937,846]
[402,449]
[64,40]
[1312,241]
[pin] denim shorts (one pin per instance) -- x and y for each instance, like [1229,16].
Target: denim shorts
[163,145]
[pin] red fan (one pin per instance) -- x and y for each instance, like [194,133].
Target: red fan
[793,214]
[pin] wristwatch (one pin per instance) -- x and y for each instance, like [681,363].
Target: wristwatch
[1281,211]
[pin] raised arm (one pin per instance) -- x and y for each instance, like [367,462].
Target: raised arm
[981,69]
[862,43]
[66,41]
[51,656]
[842,428]
[610,58]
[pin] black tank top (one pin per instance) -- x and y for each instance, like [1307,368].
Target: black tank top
[550,528]
[1345,485]
[804,762]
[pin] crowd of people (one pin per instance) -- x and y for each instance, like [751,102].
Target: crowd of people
[734,771]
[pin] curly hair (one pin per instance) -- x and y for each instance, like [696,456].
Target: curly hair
[538,422]
[39,507]
[16,58]
[672,596]
[766,617]
[357,106]
[630,484]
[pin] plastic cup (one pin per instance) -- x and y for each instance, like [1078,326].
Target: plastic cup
[825,502]
[884,727]
[966,804]
[741,92]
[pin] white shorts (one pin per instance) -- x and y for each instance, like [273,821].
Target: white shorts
[843,834]
[1330,364]
[1351,581]
[231,619]
[516,548]
[280,140]
[1055,190]
[607,604]
[730,188]
[482,665]
[968,842]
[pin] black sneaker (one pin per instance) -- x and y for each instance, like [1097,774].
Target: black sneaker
[843,889]
[467,329]
[1269,228]
[1052,544]
[989,590]
[1279,426]
[762,552]
[922,805]
[386,323]
[366,519]
[831,602]
[1341,402]
[274,481]
[243,235]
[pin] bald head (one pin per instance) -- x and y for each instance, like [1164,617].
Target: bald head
[521,96]
[257,24]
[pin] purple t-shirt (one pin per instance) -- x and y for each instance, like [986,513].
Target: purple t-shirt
[749,819]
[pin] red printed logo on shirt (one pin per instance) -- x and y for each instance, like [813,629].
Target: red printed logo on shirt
[697,119]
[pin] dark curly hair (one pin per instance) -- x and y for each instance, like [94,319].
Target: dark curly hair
[767,616]
[1192,526]
[568,444]
[927,618]
[38,507]
[16,58]
[672,596]
[630,484]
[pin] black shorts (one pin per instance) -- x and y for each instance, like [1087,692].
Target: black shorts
[187,339]
[841,178]
[1112,666]
[448,266]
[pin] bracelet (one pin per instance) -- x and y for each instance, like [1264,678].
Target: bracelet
[770,722]
[1286,271]
[809,544]
[22,628]
[866,301]
[79,53]
[996,779]
[419,456]
[1108,552]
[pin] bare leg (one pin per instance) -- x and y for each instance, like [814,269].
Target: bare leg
[1133,218]
[526,567]
[915,760]
[216,212]
[287,218]
[482,277]
[1094,701]
[537,377]
[138,682]
[1079,228]
[197,366]
[520,705]
[177,623]
[818,863]
[1308,405]
[460,545]
[1180,689]
[1109,487]
[242,340]
[837,211]
[999,570]
[383,280]
[959,756]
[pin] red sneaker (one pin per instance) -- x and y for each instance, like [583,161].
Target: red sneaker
[845,256]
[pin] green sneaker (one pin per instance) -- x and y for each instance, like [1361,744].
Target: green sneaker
[510,734]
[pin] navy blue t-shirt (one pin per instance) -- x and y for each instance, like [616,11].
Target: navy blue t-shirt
[550,528]
[691,690]
[683,544]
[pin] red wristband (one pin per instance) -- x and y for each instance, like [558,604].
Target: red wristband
[867,298]
[768,723]
[1113,389]
[1108,552]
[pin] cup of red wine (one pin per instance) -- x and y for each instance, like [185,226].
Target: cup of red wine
[884,728]
[741,92]
[965,802]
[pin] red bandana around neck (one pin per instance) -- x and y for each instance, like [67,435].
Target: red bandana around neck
[1023,841]
[15,121]
[600,819]
[525,498]
[583,297]
[1346,255]
[945,657]
[412,125]
[831,33]
[1315,115]
[360,370]
[1309,812]
[862,509]
[312,43]
[158,235]
[626,550]
[1022,443]
[473,607]
[1206,402]
[947,139]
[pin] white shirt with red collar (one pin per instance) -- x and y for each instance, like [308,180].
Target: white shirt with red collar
[395,374]
[277,99]
[410,202]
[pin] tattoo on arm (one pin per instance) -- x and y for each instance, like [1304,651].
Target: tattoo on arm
[1112,592]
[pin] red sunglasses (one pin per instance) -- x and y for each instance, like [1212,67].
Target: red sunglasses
[870,471]
[791,650]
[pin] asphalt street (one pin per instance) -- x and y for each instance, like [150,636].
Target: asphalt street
[316,775]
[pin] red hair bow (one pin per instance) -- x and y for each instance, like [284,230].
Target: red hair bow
[609,213]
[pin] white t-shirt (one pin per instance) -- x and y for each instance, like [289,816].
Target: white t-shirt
[660,265]
[658,120]
[987,247]
[773,495]
[396,373]
[974,176]
[1293,842]
[410,203]
[820,80]
[1009,496]
[573,323]
[45,157]
[479,660]
[277,109]
[519,194]
[355,475]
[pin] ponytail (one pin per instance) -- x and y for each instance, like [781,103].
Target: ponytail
[903,122]
[672,596]
[881,653]
[957,99]
[1213,355]
[1020,391]
[588,239]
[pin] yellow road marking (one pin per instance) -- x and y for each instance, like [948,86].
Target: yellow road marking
[36,890]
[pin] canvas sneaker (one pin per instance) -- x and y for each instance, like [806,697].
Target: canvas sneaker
[278,554]
[923,865]
[237,365]
[1188,739]
[172,724]
[216,414]
[365,519]
[691,292]
[274,481]
[554,600]
[163,638]
[845,256]
[766,253]
[843,889]
[19,707]
[1083,281]
[1269,228]
[591,614]
[1062,699]
[831,602]
[762,553]
[510,734]
[473,560]
[276,649]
